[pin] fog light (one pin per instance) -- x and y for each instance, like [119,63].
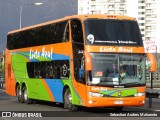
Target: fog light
[142,102]
[90,101]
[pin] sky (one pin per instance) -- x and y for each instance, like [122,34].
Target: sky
[31,14]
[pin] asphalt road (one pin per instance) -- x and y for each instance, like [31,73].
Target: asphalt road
[56,111]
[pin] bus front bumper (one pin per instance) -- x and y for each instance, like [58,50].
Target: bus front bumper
[113,102]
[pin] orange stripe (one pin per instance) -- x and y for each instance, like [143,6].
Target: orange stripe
[48,90]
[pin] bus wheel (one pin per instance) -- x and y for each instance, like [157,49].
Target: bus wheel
[68,101]
[25,96]
[19,94]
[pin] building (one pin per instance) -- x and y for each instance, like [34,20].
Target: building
[145,11]
[102,7]
[152,25]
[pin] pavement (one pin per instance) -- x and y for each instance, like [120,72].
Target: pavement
[152,99]
[155,106]
[153,93]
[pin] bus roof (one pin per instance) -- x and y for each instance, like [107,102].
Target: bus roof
[82,17]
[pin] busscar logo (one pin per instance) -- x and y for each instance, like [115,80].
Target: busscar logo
[90,38]
[6,114]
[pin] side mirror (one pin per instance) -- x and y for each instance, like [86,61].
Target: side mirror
[152,62]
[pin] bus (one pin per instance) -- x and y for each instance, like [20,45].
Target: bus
[80,60]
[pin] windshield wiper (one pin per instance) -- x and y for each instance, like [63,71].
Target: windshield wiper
[133,83]
[100,83]
[105,81]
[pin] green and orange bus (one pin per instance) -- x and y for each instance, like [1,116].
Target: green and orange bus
[78,61]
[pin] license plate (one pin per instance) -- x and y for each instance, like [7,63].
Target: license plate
[118,102]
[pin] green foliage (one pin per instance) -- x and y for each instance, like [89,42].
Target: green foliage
[1,66]
[158,66]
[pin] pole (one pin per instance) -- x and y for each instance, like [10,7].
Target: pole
[20,15]
[21,10]
[150,98]
[156,63]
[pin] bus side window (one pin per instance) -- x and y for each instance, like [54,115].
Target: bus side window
[17,38]
[9,39]
[58,69]
[77,34]
[42,35]
[24,39]
[37,70]
[32,37]
[10,42]
[49,70]
[51,33]
[30,69]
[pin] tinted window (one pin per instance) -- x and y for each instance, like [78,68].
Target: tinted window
[112,32]
[32,37]
[49,34]
[58,69]
[77,33]
[42,35]
[24,39]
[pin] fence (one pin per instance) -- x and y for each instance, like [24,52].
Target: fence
[156,79]
[2,80]
[153,93]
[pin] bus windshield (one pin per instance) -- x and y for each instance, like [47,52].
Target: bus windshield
[112,32]
[117,69]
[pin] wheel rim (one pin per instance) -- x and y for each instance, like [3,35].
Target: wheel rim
[19,93]
[25,95]
[68,99]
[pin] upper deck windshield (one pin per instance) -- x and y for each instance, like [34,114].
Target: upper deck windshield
[112,32]
[117,69]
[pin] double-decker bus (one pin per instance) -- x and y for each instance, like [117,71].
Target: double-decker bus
[79,60]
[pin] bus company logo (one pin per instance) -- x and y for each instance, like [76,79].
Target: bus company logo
[118,49]
[90,38]
[119,94]
[107,49]
[65,69]
[35,54]
[126,42]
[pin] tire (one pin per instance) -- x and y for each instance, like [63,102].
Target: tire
[25,96]
[19,94]
[68,101]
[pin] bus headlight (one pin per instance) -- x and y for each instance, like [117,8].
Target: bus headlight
[139,94]
[95,94]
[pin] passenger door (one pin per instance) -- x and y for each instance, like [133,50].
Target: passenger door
[78,57]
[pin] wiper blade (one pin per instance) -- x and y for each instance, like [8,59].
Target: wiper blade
[132,83]
[100,83]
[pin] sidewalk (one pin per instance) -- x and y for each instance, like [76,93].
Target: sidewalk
[155,104]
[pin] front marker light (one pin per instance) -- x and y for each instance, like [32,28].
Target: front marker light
[95,94]
[139,94]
